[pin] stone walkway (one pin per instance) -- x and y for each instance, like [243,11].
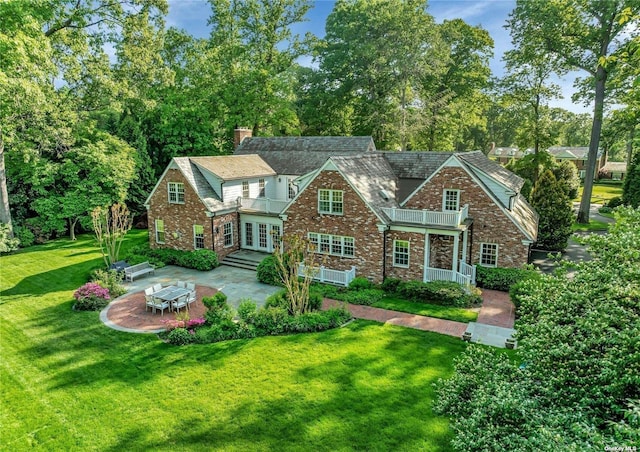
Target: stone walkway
[497,311]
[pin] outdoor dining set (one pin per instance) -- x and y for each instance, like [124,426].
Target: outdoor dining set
[170,297]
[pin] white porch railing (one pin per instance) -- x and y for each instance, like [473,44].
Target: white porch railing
[469,271]
[425,217]
[328,275]
[265,205]
[466,275]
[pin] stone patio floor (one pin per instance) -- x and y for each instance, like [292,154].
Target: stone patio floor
[128,313]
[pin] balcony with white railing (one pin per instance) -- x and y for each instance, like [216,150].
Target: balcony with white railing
[263,205]
[427,217]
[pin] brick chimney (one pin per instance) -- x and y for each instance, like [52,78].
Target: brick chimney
[239,134]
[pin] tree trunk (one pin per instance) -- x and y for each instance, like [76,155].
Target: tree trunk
[5,212]
[632,134]
[72,228]
[594,142]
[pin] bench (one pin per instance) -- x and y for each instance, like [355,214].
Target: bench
[133,271]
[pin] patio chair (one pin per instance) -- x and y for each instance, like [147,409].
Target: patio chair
[181,284]
[191,298]
[157,287]
[157,303]
[191,287]
[148,297]
[180,303]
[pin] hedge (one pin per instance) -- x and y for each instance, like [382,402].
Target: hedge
[502,278]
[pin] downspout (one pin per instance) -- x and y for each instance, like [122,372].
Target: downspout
[213,233]
[384,254]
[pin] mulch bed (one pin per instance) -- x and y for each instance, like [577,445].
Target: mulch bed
[131,312]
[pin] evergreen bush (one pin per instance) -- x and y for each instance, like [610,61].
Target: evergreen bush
[268,272]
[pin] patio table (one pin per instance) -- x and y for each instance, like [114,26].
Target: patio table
[170,293]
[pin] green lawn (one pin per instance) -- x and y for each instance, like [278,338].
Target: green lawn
[593,225]
[431,310]
[67,382]
[602,192]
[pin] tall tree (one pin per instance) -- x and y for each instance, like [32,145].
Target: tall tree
[527,83]
[255,51]
[373,55]
[579,34]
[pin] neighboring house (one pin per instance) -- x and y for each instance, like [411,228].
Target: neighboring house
[579,157]
[613,170]
[505,155]
[409,215]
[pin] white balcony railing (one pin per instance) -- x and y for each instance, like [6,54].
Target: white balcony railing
[427,217]
[265,205]
[328,275]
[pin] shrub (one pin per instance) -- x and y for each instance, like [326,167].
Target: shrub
[25,236]
[360,283]
[614,202]
[217,301]
[110,280]
[281,300]
[364,297]
[446,293]
[605,209]
[247,310]
[181,336]
[91,297]
[203,260]
[7,243]
[272,320]
[390,285]
[268,272]
[502,278]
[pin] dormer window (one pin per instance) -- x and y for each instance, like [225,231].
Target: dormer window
[330,202]
[176,193]
[451,200]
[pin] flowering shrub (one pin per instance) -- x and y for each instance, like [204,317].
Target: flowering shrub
[91,297]
[182,323]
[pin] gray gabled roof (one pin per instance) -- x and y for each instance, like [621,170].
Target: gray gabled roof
[301,155]
[415,164]
[207,195]
[525,217]
[477,160]
[372,176]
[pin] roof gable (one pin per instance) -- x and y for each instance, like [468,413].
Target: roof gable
[230,167]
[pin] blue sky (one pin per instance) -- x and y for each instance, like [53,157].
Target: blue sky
[192,16]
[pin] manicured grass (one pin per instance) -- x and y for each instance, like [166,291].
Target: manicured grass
[67,382]
[593,225]
[431,310]
[602,192]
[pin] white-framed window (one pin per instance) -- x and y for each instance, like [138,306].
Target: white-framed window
[583,174]
[330,202]
[275,234]
[159,231]
[489,254]
[248,234]
[245,188]
[334,245]
[261,188]
[401,253]
[227,230]
[176,193]
[451,200]
[198,236]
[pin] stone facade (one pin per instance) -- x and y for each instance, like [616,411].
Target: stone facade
[179,219]
[490,224]
[357,221]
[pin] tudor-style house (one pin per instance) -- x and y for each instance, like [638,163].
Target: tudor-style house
[409,215]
